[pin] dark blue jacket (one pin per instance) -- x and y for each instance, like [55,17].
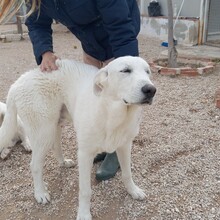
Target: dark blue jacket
[106,28]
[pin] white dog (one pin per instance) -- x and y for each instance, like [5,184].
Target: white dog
[19,134]
[104,105]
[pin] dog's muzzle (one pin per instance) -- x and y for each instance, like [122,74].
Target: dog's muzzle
[149,92]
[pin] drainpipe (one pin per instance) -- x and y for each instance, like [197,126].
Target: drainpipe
[142,7]
[206,17]
[201,22]
[178,14]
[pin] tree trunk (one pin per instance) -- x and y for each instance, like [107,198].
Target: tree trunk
[172,52]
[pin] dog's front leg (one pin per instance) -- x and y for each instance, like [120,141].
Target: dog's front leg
[124,157]
[85,161]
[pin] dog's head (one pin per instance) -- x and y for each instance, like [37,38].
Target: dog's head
[126,79]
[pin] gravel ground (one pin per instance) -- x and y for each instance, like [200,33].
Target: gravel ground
[175,157]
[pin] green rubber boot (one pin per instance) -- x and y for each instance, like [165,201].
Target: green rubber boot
[108,168]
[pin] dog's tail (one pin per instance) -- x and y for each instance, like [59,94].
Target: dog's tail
[9,125]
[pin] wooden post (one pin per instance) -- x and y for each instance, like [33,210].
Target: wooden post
[19,24]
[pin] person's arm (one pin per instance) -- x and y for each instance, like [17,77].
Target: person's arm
[40,33]
[122,29]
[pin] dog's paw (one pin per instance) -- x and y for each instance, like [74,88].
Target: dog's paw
[5,152]
[42,197]
[137,193]
[26,145]
[83,216]
[67,163]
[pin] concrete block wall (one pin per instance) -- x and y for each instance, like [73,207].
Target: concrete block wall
[186,30]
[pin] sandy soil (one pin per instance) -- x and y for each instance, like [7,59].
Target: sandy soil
[175,158]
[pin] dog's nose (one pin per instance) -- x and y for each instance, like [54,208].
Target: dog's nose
[149,90]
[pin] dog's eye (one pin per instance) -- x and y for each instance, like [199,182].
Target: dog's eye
[148,72]
[126,70]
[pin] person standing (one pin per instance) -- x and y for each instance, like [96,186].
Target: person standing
[107,29]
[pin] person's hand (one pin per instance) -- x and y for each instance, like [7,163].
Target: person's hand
[48,62]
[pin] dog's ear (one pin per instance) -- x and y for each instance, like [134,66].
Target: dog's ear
[100,81]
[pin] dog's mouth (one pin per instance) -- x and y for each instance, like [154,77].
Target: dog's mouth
[146,101]
[126,103]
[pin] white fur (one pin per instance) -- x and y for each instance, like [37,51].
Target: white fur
[18,134]
[105,121]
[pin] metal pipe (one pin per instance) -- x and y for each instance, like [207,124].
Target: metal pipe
[178,13]
[201,22]
[206,17]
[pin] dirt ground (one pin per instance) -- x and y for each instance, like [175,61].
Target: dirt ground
[175,157]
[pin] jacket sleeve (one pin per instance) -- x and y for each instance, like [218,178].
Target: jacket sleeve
[40,33]
[122,22]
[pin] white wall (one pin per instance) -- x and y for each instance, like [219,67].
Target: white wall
[191,8]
